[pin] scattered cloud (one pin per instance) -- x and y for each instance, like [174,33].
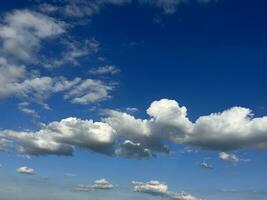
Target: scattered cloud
[22,32]
[35,88]
[26,170]
[24,107]
[80,8]
[89,91]
[107,69]
[158,188]
[101,184]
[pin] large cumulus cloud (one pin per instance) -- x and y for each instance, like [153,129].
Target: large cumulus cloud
[168,123]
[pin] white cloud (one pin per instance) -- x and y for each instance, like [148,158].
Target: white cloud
[22,32]
[232,129]
[60,138]
[107,69]
[26,170]
[35,88]
[158,188]
[89,91]
[101,184]
[232,158]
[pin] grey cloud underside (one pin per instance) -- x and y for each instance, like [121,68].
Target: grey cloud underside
[121,134]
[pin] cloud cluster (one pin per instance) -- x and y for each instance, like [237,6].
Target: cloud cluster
[101,184]
[158,188]
[232,129]
[60,138]
[232,158]
[26,170]
[32,87]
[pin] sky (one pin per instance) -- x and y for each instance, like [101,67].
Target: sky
[133,99]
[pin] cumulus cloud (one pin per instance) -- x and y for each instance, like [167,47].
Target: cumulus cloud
[158,188]
[22,32]
[26,170]
[235,128]
[168,123]
[101,184]
[60,138]
[107,69]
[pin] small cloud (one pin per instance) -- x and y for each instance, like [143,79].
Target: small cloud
[107,69]
[131,110]
[101,184]
[26,170]
[157,188]
[232,158]
[205,165]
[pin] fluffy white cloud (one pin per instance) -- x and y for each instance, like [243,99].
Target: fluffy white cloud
[26,170]
[60,138]
[101,184]
[22,32]
[160,189]
[232,129]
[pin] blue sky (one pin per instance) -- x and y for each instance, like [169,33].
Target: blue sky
[133,99]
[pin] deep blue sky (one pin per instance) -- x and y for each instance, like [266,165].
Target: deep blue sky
[206,56]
